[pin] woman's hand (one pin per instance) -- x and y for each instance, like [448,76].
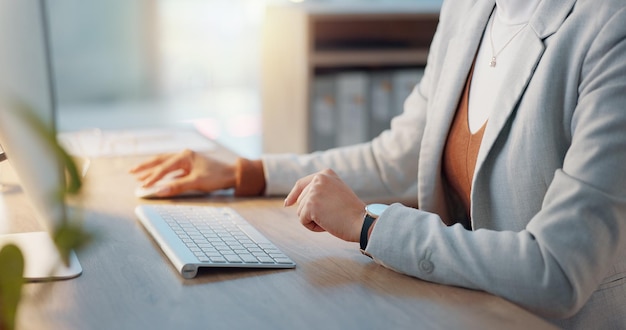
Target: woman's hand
[198,172]
[326,203]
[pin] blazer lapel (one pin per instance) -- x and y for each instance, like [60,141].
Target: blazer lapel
[458,60]
[508,97]
[547,19]
[545,22]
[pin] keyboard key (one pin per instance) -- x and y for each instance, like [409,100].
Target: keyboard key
[217,260]
[248,258]
[232,258]
[266,260]
[283,260]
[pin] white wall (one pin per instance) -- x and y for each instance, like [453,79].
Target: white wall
[102,49]
[111,50]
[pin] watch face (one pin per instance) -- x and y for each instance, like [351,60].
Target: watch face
[375,210]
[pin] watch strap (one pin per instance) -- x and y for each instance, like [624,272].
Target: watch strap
[367,223]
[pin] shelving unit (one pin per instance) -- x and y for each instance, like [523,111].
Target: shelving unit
[304,41]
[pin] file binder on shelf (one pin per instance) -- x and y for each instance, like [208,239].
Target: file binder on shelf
[403,83]
[323,113]
[352,108]
[381,90]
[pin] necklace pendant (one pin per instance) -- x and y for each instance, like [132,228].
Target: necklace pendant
[492,63]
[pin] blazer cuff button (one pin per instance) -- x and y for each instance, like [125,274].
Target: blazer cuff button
[426,266]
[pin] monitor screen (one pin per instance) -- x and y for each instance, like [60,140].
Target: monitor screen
[26,85]
[25,70]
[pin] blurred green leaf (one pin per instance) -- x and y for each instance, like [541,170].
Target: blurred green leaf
[71,236]
[11,281]
[74,182]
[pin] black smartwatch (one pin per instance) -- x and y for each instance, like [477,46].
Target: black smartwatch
[372,212]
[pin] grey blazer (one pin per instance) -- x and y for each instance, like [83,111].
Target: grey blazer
[548,202]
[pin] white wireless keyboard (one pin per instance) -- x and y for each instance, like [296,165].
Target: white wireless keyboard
[208,236]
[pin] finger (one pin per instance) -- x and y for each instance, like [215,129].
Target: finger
[176,187]
[293,194]
[317,229]
[301,202]
[155,176]
[150,173]
[143,175]
[330,172]
[172,164]
[312,226]
[306,197]
[297,189]
[306,219]
[308,211]
[154,161]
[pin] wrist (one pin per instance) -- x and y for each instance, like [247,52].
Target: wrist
[230,176]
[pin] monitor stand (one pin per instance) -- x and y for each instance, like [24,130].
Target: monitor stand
[41,258]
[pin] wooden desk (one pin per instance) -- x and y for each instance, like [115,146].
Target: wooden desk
[127,282]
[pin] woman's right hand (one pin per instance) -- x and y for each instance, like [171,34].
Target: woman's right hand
[198,172]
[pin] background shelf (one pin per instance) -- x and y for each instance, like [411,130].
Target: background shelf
[333,46]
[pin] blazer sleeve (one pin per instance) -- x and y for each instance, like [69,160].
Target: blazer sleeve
[384,168]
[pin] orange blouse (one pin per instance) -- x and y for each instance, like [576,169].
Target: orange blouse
[461,151]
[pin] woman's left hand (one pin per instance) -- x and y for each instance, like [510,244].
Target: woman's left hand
[326,203]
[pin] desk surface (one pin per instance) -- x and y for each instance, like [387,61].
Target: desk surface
[127,282]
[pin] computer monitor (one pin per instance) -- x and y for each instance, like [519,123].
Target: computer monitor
[26,83]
